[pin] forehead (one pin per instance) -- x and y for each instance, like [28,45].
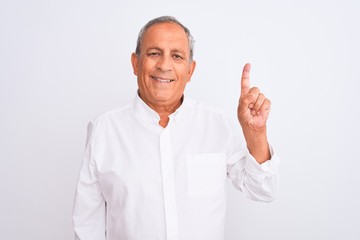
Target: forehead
[166,34]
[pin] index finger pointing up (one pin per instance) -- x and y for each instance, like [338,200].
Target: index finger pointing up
[245,79]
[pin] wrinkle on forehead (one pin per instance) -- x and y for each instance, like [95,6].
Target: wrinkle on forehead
[175,38]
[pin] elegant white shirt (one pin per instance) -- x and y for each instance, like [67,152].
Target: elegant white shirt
[141,181]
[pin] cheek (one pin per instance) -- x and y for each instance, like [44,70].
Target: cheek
[184,73]
[187,75]
[148,65]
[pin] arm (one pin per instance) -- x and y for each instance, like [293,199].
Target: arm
[253,111]
[256,181]
[249,168]
[89,205]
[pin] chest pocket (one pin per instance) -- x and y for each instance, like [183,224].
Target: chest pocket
[206,174]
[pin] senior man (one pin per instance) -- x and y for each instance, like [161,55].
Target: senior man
[156,168]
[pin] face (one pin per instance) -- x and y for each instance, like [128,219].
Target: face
[163,67]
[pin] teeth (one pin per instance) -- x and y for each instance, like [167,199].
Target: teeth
[163,80]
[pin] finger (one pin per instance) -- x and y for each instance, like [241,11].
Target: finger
[245,79]
[252,96]
[265,108]
[258,102]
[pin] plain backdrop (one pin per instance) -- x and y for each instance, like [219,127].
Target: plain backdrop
[64,62]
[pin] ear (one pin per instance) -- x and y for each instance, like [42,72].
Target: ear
[191,69]
[134,63]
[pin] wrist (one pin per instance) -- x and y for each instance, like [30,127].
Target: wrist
[257,144]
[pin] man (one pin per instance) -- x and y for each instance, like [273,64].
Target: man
[156,168]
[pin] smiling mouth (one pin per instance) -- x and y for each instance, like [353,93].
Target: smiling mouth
[162,80]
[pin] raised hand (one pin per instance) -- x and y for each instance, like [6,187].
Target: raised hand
[253,112]
[254,107]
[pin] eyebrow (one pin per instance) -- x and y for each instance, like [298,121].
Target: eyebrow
[178,50]
[153,48]
[172,50]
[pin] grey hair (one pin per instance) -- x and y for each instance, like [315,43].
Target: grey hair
[164,19]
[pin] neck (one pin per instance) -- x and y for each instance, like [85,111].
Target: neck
[164,110]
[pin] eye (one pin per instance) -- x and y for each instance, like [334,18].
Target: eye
[177,56]
[153,54]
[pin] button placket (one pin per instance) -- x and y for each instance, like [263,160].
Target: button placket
[168,183]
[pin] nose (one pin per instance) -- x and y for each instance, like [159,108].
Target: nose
[164,64]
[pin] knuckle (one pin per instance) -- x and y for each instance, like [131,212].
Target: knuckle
[251,96]
[255,90]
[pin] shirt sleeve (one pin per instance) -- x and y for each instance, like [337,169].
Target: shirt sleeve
[256,181]
[89,204]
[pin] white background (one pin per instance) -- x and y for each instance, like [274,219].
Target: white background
[64,62]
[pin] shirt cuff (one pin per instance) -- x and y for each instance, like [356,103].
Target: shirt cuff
[269,167]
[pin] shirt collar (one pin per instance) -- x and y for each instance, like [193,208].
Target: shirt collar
[148,115]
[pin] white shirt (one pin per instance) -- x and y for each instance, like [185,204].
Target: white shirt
[141,181]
